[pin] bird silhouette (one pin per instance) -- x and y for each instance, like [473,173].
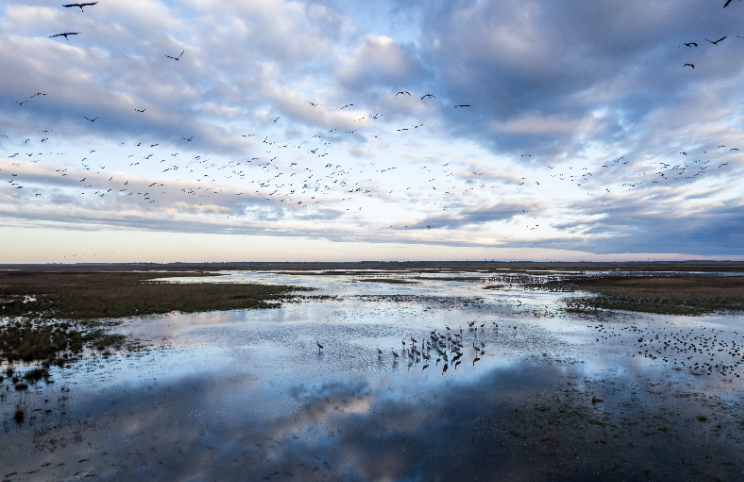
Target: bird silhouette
[716,42]
[404,92]
[140,110]
[64,35]
[428,95]
[176,58]
[89,119]
[81,5]
[690,65]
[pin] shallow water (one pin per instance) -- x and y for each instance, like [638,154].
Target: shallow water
[248,395]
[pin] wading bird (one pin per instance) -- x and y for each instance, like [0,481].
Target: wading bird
[320,347]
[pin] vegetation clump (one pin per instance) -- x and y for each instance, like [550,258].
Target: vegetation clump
[99,294]
[677,295]
[50,315]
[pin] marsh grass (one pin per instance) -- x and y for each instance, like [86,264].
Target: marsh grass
[92,295]
[688,295]
[48,313]
[393,281]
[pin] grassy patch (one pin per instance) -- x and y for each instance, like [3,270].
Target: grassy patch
[393,281]
[663,295]
[114,295]
[53,313]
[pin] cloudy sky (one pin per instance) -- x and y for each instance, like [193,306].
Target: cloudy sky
[281,133]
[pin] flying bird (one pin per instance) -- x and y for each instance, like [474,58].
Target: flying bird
[428,95]
[463,105]
[89,119]
[81,5]
[688,44]
[691,65]
[403,92]
[176,58]
[716,42]
[727,3]
[140,110]
[64,35]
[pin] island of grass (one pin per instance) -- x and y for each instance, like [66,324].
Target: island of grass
[675,295]
[47,313]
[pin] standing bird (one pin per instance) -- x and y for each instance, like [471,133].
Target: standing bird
[379,352]
[395,355]
[320,347]
[64,35]
[81,5]
[475,360]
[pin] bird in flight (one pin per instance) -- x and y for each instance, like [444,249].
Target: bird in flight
[688,44]
[688,65]
[176,58]
[716,42]
[405,92]
[140,110]
[64,35]
[727,3]
[428,95]
[89,119]
[81,5]
[38,93]
[463,105]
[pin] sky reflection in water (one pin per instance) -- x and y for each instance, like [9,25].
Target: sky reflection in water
[247,395]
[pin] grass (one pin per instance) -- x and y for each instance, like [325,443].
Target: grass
[120,294]
[50,313]
[678,295]
[393,281]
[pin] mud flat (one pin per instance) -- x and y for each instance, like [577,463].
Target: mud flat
[552,392]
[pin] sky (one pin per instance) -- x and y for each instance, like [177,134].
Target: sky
[302,131]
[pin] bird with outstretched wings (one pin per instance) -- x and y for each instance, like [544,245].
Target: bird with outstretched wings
[81,5]
[64,35]
[176,58]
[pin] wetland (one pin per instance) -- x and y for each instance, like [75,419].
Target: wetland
[480,372]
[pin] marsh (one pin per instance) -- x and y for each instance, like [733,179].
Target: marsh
[245,394]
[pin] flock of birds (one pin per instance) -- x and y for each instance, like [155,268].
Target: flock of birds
[444,347]
[266,177]
[685,347]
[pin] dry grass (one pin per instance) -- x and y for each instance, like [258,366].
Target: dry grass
[666,295]
[120,294]
[34,303]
